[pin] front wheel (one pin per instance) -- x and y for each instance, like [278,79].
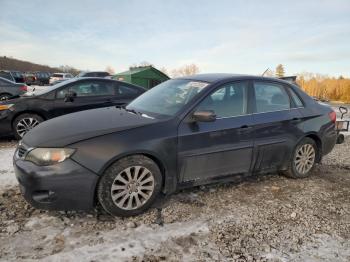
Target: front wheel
[303,160]
[4,97]
[129,186]
[24,123]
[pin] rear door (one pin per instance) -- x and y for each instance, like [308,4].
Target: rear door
[277,124]
[90,94]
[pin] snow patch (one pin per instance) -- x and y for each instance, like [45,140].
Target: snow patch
[122,245]
[7,174]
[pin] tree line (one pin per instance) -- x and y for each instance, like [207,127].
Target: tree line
[318,85]
[325,87]
[9,63]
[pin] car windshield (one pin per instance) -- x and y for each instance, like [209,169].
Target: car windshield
[167,98]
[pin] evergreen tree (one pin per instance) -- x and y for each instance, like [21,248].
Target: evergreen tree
[280,70]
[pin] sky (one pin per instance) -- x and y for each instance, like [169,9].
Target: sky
[219,36]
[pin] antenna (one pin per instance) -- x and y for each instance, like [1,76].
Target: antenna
[265,71]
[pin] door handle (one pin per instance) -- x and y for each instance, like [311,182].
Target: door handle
[296,119]
[245,127]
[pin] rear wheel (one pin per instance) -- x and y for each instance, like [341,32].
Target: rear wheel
[129,186]
[304,159]
[24,123]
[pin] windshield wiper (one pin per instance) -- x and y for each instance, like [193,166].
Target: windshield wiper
[128,109]
[131,110]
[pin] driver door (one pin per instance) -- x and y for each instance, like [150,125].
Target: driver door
[209,150]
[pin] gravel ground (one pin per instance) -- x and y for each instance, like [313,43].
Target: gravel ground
[266,218]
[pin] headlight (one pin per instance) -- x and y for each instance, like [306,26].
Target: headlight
[5,107]
[49,156]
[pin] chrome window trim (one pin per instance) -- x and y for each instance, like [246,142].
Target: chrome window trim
[294,108]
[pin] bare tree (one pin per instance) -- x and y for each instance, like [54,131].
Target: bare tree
[185,70]
[110,70]
[145,63]
[164,70]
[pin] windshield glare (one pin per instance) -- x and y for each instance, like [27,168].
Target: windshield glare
[48,88]
[167,98]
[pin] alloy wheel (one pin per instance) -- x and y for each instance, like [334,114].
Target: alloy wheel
[304,158]
[4,97]
[132,187]
[26,124]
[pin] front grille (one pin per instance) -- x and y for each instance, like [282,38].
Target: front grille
[22,150]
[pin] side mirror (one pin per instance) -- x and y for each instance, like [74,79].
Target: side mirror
[204,116]
[69,97]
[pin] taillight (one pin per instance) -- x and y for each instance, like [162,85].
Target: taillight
[333,116]
[24,88]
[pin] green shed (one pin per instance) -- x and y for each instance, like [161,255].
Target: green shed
[146,76]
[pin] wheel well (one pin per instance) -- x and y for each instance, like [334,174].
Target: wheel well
[27,112]
[5,94]
[152,157]
[318,144]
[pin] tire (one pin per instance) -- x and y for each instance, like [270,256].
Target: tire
[304,154]
[4,97]
[140,167]
[25,122]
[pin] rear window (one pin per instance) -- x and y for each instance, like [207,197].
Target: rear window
[6,75]
[58,75]
[296,98]
[102,74]
[270,97]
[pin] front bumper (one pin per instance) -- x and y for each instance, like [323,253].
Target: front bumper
[5,123]
[64,186]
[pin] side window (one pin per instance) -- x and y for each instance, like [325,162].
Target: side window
[227,101]
[6,76]
[126,91]
[85,89]
[296,98]
[270,97]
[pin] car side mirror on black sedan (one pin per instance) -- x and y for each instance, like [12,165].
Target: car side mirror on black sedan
[69,97]
[204,116]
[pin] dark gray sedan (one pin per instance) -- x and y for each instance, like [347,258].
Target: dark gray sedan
[10,89]
[184,132]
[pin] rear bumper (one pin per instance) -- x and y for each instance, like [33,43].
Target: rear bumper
[329,140]
[64,186]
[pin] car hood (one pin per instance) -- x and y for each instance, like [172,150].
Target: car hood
[72,128]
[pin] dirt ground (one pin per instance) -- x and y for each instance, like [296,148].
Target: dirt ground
[266,218]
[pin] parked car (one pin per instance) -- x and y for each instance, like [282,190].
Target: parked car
[42,78]
[29,78]
[18,76]
[9,89]
[18,116]
[59,76]
[94,74]
[184,132]
[7,75]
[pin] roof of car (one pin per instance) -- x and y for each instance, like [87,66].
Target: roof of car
[216,77]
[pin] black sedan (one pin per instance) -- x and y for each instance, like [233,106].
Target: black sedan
[10,89]
[183,132]
[18,116]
